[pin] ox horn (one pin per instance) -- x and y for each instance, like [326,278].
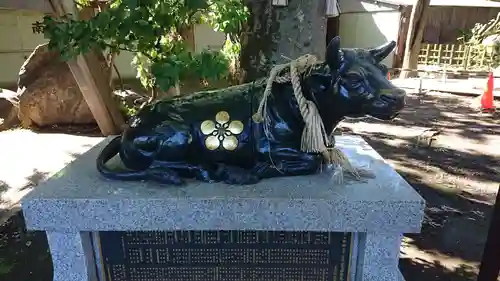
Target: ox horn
[332,55]
[381,52]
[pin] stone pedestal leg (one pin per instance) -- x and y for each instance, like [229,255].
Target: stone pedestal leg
[71,256]
[379,257]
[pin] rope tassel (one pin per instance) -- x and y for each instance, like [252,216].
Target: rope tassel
[314,133]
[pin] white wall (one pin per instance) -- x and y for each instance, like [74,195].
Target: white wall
[123,63]
[204,37]
[460,3]
[350,6]
[17,41]
[363,25]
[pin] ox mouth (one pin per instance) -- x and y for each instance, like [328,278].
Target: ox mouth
[385,117]
[388,106]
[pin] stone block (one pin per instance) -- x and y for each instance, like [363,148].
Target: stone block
[77,202]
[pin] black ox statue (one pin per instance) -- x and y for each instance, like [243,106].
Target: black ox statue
[212,136]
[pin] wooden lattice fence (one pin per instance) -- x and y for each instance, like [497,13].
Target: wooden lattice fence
[458,56]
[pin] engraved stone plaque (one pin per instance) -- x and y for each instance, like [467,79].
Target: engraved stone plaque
[225,256]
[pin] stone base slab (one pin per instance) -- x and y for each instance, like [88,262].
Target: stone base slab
[77,202]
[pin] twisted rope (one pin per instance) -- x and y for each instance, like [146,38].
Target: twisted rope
[314,136]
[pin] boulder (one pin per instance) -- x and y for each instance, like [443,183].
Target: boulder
[48,93]
[9,105]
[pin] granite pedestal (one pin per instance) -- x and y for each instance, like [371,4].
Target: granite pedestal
[76,206]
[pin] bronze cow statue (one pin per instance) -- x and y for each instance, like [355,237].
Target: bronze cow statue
[212,137]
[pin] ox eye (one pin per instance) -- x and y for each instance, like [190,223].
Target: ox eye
[383,68]
[356,82]
[352,78]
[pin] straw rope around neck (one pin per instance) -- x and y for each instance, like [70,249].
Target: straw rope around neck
[314,136]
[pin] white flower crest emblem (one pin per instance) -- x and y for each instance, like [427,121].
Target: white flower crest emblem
[222,131]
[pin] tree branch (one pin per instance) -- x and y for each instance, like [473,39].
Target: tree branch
[126,49]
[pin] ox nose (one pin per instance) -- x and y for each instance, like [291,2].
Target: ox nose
[394,92]
[395,97]
[399,93]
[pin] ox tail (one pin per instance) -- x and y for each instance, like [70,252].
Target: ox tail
[108,152]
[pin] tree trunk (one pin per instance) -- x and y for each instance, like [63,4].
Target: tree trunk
[257,42]
[418,20]
[87,13]
[187,34]
[274,35]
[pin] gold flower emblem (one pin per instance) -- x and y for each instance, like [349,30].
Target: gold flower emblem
[221,131]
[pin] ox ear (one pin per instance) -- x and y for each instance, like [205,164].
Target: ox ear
[381,52]
[332,55]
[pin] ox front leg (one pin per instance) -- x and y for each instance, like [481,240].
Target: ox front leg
[218,172]
[164,175]
[286,162]
[235,175]
[201,172]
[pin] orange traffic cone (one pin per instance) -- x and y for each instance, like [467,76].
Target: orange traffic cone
[388,75]
[487,97]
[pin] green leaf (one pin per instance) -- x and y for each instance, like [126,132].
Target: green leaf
[103,18]
[137,25]
[131,3]
[196,4]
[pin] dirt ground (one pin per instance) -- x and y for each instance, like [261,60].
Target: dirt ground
[448,151]
[440,144]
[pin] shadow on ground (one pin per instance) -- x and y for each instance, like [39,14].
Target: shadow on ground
[32,180]
[455,225]
[91,130]
[450,175]
[423,270]
[24,255]
[453,235]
